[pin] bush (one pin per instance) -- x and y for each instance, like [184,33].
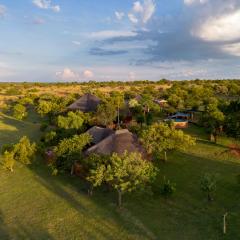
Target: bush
[209,185]
[24,151]
[19,111]
[50,137]
[8,160]
[167,188]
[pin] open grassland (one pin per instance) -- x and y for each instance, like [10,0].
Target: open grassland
[65,90]
[36,205]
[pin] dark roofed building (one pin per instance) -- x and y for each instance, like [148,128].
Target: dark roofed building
[98,133]
[87,103]
[118,142]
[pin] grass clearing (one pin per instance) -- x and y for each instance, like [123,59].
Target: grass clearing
[36,205]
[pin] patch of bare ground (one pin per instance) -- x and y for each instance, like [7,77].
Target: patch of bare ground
[235,150]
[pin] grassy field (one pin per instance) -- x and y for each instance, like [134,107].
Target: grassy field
[36,205]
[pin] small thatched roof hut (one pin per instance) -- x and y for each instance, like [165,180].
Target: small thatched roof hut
[99,133]
[118,142]
[87,103]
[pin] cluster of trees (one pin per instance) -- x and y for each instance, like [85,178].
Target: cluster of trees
[51,105]
[23,152]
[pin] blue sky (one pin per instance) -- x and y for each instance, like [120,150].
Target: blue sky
[103,40]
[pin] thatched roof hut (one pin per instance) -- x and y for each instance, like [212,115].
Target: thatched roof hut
[87,103]
[118,142]
[99,133]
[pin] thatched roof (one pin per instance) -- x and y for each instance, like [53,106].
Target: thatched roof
[118,142]
[98,133]
[87,103]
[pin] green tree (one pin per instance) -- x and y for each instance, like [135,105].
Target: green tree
[96,172]
[24,151]
[160,137]
[70,150]
[128,173]
[19,111]
[106,114]
[73,120]
[133,103]
[8,160]
[44,107]
[209,185]
[214,119]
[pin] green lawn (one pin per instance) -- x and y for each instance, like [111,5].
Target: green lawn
[36,205]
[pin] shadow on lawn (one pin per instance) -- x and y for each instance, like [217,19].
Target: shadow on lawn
[22,232]
[104,200]
[189,204]
[143,215]
[17,130]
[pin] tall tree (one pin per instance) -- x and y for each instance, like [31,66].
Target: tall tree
[214,119]
[128,173]
[70,150]
[96,166]
[106,114]
[160,137]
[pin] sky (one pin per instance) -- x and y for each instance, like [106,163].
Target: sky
[104,40]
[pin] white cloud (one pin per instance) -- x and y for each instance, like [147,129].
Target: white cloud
[68,75]
[220,28]
[149,9]
[111,33]
[119,15]
[191,2]
[233,49]
[88,74]
[137,7]
[3,10]
[132,18]
[142,12]
[46,4]
[76,43]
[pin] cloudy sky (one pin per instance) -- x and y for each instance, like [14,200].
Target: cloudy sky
[79,40]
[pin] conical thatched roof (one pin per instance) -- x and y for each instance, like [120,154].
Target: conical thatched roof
[87,103]
[98,133]
[118,142]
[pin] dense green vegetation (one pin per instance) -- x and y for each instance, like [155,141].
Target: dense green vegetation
[186,199]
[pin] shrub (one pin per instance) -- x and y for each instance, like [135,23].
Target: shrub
[50,136]
[19,111]
[209,185]
[24,151]
[8,160]
[167,188]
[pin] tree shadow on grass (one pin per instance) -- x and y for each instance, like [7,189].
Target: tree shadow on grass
[22,232]
[188,209]
[17,129]
[4,234]
[105,210]
[144,215]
